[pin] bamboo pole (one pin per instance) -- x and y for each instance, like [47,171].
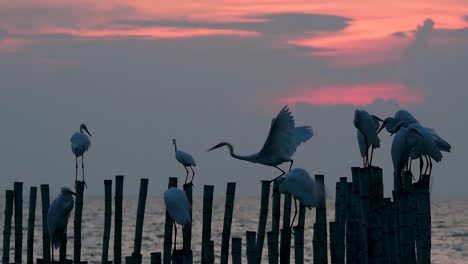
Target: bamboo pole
[333,242]
[45,198]
[396,224]
[299,244]
[168,228]
[209,257]
[319,241]
[78,217]
[250,246]
[262,219]
[404,219]
[272,238]
[119,180]
[285,244]
[356,217]
[340,219]
[187,229]
[236,250]
[18,192]
[107,220]
[7,225]
[155,258]
[31,220]
[207,216]
[351,226]
[140,219]
[424,213]
[228,210]
[275,222]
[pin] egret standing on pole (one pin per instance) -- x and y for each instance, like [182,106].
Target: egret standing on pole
[178,206]
[367,126]
[80,143]
[186,160]
[57,217]
[281,143]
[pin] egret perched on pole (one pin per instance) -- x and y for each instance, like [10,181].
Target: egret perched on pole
[178,206]
[367,126]
[80,143]
[186,160]
[281,143]
[391,123]
[57,217]
[301,186]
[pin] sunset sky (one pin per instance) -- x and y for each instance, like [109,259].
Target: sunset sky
[139,73]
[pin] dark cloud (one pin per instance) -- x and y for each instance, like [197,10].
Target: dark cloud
[287,23]
[399,34]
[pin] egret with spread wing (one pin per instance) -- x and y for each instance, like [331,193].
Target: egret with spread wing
[281,143]
[186,160]
[80,143]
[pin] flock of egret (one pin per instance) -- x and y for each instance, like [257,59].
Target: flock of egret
[412,141]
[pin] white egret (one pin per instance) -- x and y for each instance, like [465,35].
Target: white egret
[185,159]
[405,140]
[57,217]
[302,187]
[391,123]
[178,206]
[80,143]
[367,126]
[281,143]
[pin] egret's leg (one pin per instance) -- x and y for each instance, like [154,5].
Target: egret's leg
[421,163]
[290,165]
[282,173]
[427,164]
[295,214]
[363,162]
[371,156]
[193,174]
[175,236]
[430,166]
[82,170]
[76,168]
[367,152]
[186,176]
[52,247]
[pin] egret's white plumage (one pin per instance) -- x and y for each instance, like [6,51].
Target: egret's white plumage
[178,207]
[391,123]
[186,160]
[57,217]
[367,126]
[80,143]
[281,143]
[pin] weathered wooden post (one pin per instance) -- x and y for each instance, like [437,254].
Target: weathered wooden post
[7,226]
[319,241]
[107,220]
[275,223]
[236,250]
[136,255]
[228,210]
[168,228]
[78,216]
[119,180]
[207,216]
[333,242]
[424,219]
[358,242]
[272,238]
[45,198]
[340,220]
[262,219]
[351,226]
[251,247]
[285,244]
[155,258]
[31,220]
[299,244]
[18,192]
[364,185]
[208,256]
[187,229]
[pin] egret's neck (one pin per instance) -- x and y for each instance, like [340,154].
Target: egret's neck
[175,147]
[234,155]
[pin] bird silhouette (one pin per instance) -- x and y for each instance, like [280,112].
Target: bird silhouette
[367,126]
[178,206]
[281,143]
[186,160]
[80,143]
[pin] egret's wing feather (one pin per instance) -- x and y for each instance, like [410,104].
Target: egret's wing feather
[279,141]
[80,143]
[302,134]
[185,158]
[362,143]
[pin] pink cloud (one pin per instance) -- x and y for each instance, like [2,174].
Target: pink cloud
[357,95]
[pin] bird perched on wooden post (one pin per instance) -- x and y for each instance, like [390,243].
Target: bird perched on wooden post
[80,143]
[57,217]
[281,143]
[186,160]
[178,206]
[367,126]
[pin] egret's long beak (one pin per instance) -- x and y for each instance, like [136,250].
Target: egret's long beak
[86,129]
[376,117]
[382,127]
[215,147]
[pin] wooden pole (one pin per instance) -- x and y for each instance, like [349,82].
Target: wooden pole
[275,221]
[319,241]
[168,228]
[236,250]
[272,238]
[299,244]
[140,218]
[155,257]
[31,220]
[340,219]
[18,191]
[119,180]
[78,216]
[45,198]
[207,216]
[209,252]
[7,225]
[228,210]
[396,224]
[107,220]
[251,247]
[262,219]
[285,244]
[355,220]
[424,219]
[333,242]
[364,185]
[187,230]
[351,226]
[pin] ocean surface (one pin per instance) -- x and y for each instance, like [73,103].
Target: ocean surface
[449,228]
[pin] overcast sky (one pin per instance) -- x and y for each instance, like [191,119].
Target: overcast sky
[140,73]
